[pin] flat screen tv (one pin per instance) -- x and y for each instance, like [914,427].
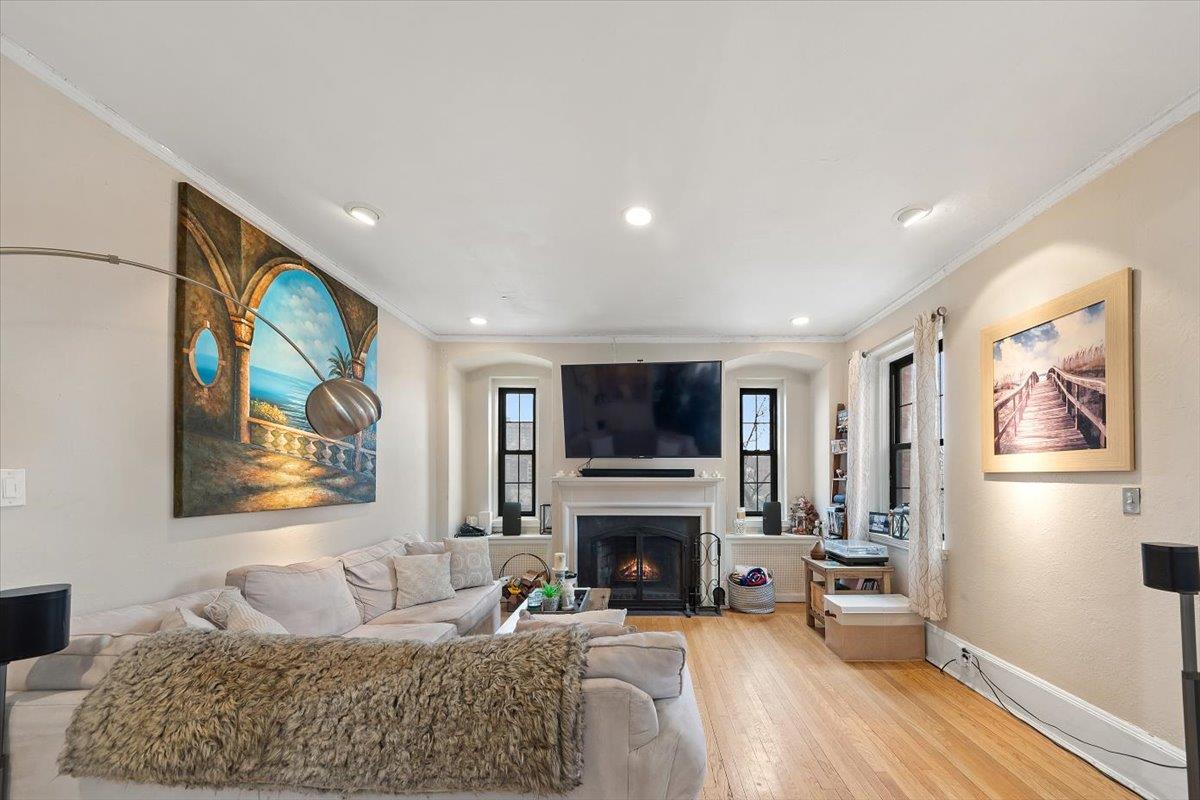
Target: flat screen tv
[665,410]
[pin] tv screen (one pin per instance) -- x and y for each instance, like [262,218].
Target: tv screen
[667,410]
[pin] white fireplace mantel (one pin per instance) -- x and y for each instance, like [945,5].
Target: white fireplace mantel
[668,497]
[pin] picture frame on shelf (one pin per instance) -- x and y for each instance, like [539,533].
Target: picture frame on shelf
[879,522]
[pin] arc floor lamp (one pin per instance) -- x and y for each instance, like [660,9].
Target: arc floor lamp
[336,408]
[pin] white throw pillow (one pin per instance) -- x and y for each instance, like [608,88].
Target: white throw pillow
[231,612]
[422,579]
[180,618]
[311,598]
[470,562]
[425,548]
[372,577]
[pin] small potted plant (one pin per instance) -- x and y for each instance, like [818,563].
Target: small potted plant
[551,597]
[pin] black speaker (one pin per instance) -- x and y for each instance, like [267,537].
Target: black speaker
[511,513]
[772,519]
[1171,567]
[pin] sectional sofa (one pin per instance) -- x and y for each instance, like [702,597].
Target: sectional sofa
[642,732]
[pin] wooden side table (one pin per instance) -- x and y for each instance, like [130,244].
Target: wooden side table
[821,577]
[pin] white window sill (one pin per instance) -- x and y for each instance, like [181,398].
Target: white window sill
[899,544]
[758,536]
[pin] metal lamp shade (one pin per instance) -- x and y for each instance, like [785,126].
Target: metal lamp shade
[34,621]
[341,407]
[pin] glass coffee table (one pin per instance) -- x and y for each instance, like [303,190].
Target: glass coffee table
[595,600]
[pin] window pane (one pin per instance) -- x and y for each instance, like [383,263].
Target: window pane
[510,436]
[512,407]
[901,498]
[524,469]
[904,424]
[526,407]
[903,461]
[750,497]
[525,491]
[905,381]
[764,408]
[747,408]
[764,471]
[526,436]
[510,469]
[747,436]
[510,492]
[749,471]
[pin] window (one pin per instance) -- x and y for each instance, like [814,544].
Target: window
[517,462]
[900,394]
[760,455]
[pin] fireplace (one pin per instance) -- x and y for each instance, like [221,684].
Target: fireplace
[649,563]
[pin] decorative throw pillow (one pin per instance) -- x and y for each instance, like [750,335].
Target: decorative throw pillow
[470,562]
[425,548]
[310,598]
[180,618]
[528,622]
[422,579]
[82,664]
[231,612]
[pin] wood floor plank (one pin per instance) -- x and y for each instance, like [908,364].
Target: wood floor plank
[786,719]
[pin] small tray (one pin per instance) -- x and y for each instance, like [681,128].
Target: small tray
[581,596]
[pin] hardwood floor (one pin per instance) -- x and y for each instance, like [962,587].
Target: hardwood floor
[787,719]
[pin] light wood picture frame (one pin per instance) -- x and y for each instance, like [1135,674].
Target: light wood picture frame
[1056,385]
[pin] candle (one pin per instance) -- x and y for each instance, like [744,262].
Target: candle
[560,561]
[741,513]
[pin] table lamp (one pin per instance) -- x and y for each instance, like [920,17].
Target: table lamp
[34,621]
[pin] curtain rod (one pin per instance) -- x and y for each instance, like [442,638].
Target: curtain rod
[940,312]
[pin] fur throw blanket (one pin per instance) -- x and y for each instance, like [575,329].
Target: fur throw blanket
[255,711]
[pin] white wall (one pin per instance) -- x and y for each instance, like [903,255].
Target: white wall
[85,381]
[468,370]
[1044,570]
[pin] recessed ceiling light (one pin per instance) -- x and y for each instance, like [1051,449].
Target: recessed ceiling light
[478,321]
[364,214]
[800,321]
[912,215]
[638,216]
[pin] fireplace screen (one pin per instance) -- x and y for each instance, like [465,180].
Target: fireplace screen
[647,562]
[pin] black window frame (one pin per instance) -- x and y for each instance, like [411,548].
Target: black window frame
[773,452]
[503,449]
[895,447]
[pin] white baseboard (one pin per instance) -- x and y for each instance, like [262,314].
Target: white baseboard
[1070,713]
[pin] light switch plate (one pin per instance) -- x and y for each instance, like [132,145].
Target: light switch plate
[12,487]
[1131,500]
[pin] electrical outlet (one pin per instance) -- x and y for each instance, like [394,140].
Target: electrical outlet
[1131,500]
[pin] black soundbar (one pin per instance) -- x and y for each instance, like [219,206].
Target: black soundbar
[633,472]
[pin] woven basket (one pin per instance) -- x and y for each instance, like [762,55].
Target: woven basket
[752,599]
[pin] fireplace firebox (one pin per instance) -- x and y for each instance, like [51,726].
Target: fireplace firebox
[649,563]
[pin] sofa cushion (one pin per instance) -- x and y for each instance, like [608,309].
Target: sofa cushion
[311,598]
[144,618]
[465,610]
[419,632]
[422,579]
[371,577]
[425,548]
[81,665]
[470,562]
[653,661]
[180,618]
[231,612]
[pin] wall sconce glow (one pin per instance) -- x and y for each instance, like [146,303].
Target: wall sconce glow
[478,321]
[364,214]
[800,322]
[912,215]
[638,216]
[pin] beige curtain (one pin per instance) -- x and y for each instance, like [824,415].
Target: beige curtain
[860,441]
[925,534]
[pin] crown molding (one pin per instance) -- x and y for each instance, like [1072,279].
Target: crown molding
[1156,127]
[638,339]
[201,179]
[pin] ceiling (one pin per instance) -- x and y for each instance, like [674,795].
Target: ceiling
[774,142]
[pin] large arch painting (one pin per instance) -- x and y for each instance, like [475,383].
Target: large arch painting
[242,441]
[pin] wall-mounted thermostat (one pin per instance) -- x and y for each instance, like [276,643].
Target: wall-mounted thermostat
[12,487]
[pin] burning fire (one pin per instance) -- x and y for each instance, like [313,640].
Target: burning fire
[627,570]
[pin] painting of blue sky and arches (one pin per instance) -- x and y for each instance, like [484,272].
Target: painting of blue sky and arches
[242,440]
